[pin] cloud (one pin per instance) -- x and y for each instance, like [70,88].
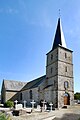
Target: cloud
[11,11]
[40,23]
[41,19]
[45,19]
[31,16]
[8,11]
[73,28]
[22,4]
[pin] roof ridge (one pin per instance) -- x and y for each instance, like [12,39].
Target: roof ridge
[36,78]
[32,83]
[14,81]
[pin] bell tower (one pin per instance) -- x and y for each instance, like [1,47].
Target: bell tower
[59,70]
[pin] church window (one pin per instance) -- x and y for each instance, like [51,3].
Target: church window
[30,94]
[51,70]
[66,69]
[51,56]
[66,84]
[65,55]
[20,96]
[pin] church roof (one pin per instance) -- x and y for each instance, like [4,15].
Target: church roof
[12,85]
[59,36]
[34,83]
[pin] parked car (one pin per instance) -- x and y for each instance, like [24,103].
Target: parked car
[78,101]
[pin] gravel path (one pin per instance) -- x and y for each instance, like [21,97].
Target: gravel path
[35,116]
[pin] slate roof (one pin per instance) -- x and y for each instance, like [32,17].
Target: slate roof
[13,85]
[34,83]
[59,37]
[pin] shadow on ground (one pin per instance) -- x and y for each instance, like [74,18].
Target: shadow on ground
[69,116]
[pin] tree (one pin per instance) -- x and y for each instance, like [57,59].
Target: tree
[77,96]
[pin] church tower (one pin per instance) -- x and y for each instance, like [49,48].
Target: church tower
[59,71]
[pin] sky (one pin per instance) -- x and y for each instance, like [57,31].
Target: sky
[27,29]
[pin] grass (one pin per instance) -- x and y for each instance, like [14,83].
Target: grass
[3,116]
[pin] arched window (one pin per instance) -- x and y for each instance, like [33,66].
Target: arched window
[66,84]
[30,94]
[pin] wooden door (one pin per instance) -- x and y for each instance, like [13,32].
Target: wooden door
[66,100]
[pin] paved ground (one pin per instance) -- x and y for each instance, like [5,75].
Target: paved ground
[71,113]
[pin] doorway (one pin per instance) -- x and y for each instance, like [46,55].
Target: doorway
[66,99]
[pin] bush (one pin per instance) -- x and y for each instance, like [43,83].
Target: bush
[4,117]
[9,104]
[77,96]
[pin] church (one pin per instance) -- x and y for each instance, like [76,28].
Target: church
[57,86]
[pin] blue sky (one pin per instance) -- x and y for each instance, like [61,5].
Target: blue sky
[27,29]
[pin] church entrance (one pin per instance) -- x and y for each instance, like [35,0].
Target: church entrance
[66,99]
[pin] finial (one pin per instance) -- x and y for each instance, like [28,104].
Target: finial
[59,13]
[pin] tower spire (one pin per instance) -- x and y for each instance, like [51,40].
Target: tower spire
[59,36]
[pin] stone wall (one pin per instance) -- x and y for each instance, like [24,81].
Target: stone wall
[26,95]
[11,95]
[52,56]
[65,69]
[3,97]
[65,55]
[65,73]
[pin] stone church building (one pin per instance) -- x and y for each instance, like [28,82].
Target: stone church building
[57,86]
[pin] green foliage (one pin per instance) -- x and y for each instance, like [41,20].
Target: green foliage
[9,104]
[77,96]
[4,117]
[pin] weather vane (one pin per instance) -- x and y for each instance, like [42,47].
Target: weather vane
[59,13]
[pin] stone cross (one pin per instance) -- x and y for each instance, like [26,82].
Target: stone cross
[51,106]
[33,102]
[44,104]
[16,104]
[24,102]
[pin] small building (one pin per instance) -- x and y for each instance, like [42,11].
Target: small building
[57,86]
